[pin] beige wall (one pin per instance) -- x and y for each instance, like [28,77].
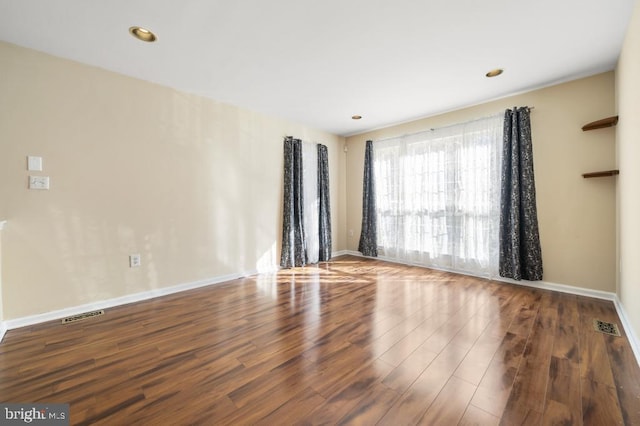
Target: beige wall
[628,157]
[576,215]
[193,185]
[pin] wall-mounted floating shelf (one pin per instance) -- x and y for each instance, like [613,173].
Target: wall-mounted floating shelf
[601,174]
[601,124]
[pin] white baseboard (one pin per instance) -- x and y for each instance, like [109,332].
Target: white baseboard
[628,328]
[562,288]
[124,300]
[151,294]
[545,285]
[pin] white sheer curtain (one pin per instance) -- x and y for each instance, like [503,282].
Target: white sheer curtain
[311,201]
[438,196]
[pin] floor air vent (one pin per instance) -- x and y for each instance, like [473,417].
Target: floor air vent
[83,316]
[606,327]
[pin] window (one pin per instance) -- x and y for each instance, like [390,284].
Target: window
[438,197]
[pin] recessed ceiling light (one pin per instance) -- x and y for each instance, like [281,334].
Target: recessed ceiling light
[494,73]
[142,34]
[356,117]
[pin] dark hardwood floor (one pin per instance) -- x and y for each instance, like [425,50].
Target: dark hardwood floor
[354,341]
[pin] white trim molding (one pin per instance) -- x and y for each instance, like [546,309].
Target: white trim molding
[151,294]
[123,300]
[3,330]
[562,288]
[628,328]
[357,253]
[544,285]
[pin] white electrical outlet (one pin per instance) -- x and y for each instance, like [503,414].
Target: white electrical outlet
[38,182]
[134,260]
[351,232]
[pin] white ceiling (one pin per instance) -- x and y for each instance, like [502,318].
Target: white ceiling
[320,62]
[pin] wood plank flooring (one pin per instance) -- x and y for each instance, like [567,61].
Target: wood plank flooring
[353,341]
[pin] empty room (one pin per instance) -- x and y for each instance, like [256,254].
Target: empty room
[301,212]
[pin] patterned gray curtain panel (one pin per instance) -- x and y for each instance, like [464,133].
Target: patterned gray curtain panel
[520,252]
[368,245]
[294,252]
[325,210]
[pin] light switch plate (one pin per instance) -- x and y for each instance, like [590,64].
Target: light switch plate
[38,182]
[34,164]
